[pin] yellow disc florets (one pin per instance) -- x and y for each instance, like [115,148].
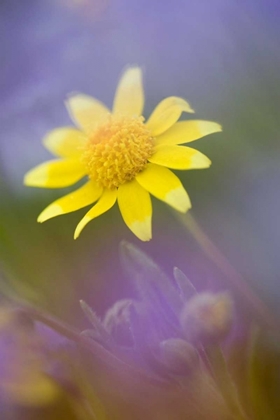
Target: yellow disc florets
[117,150]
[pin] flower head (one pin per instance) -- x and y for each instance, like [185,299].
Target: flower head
[124,158]
[153,358]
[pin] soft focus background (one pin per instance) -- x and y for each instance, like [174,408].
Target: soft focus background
[223,56]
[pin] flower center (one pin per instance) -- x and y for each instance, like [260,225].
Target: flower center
[118,150]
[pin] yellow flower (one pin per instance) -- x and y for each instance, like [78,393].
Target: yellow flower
[124,158]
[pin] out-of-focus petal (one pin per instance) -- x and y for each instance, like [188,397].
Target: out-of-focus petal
[65,142]
[187,131]
[164,185]
[55,174]
[86,111]
[32,389]
[129,97]
[76,200]
[180,157]
[136,209]
[166,114]
[106,201]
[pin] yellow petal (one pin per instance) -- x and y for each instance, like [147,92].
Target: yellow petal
[187,131]
[86,111]
[164,185]
[136,209]
[179,157]
[166,114]
[55,174]
[129,97]
[65,142]
[106,201]
[76,200]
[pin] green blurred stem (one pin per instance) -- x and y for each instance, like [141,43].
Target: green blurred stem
[215,255]
[225,382]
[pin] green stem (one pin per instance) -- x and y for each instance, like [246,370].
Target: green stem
[215,255]
[225,382]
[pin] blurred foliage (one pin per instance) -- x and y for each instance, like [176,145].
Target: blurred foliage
[162,371]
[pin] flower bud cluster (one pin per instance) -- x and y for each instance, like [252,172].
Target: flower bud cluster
[165,329]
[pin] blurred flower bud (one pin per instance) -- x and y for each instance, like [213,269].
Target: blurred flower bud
[180,357]
[23,364]
[207,316]
[117,322]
